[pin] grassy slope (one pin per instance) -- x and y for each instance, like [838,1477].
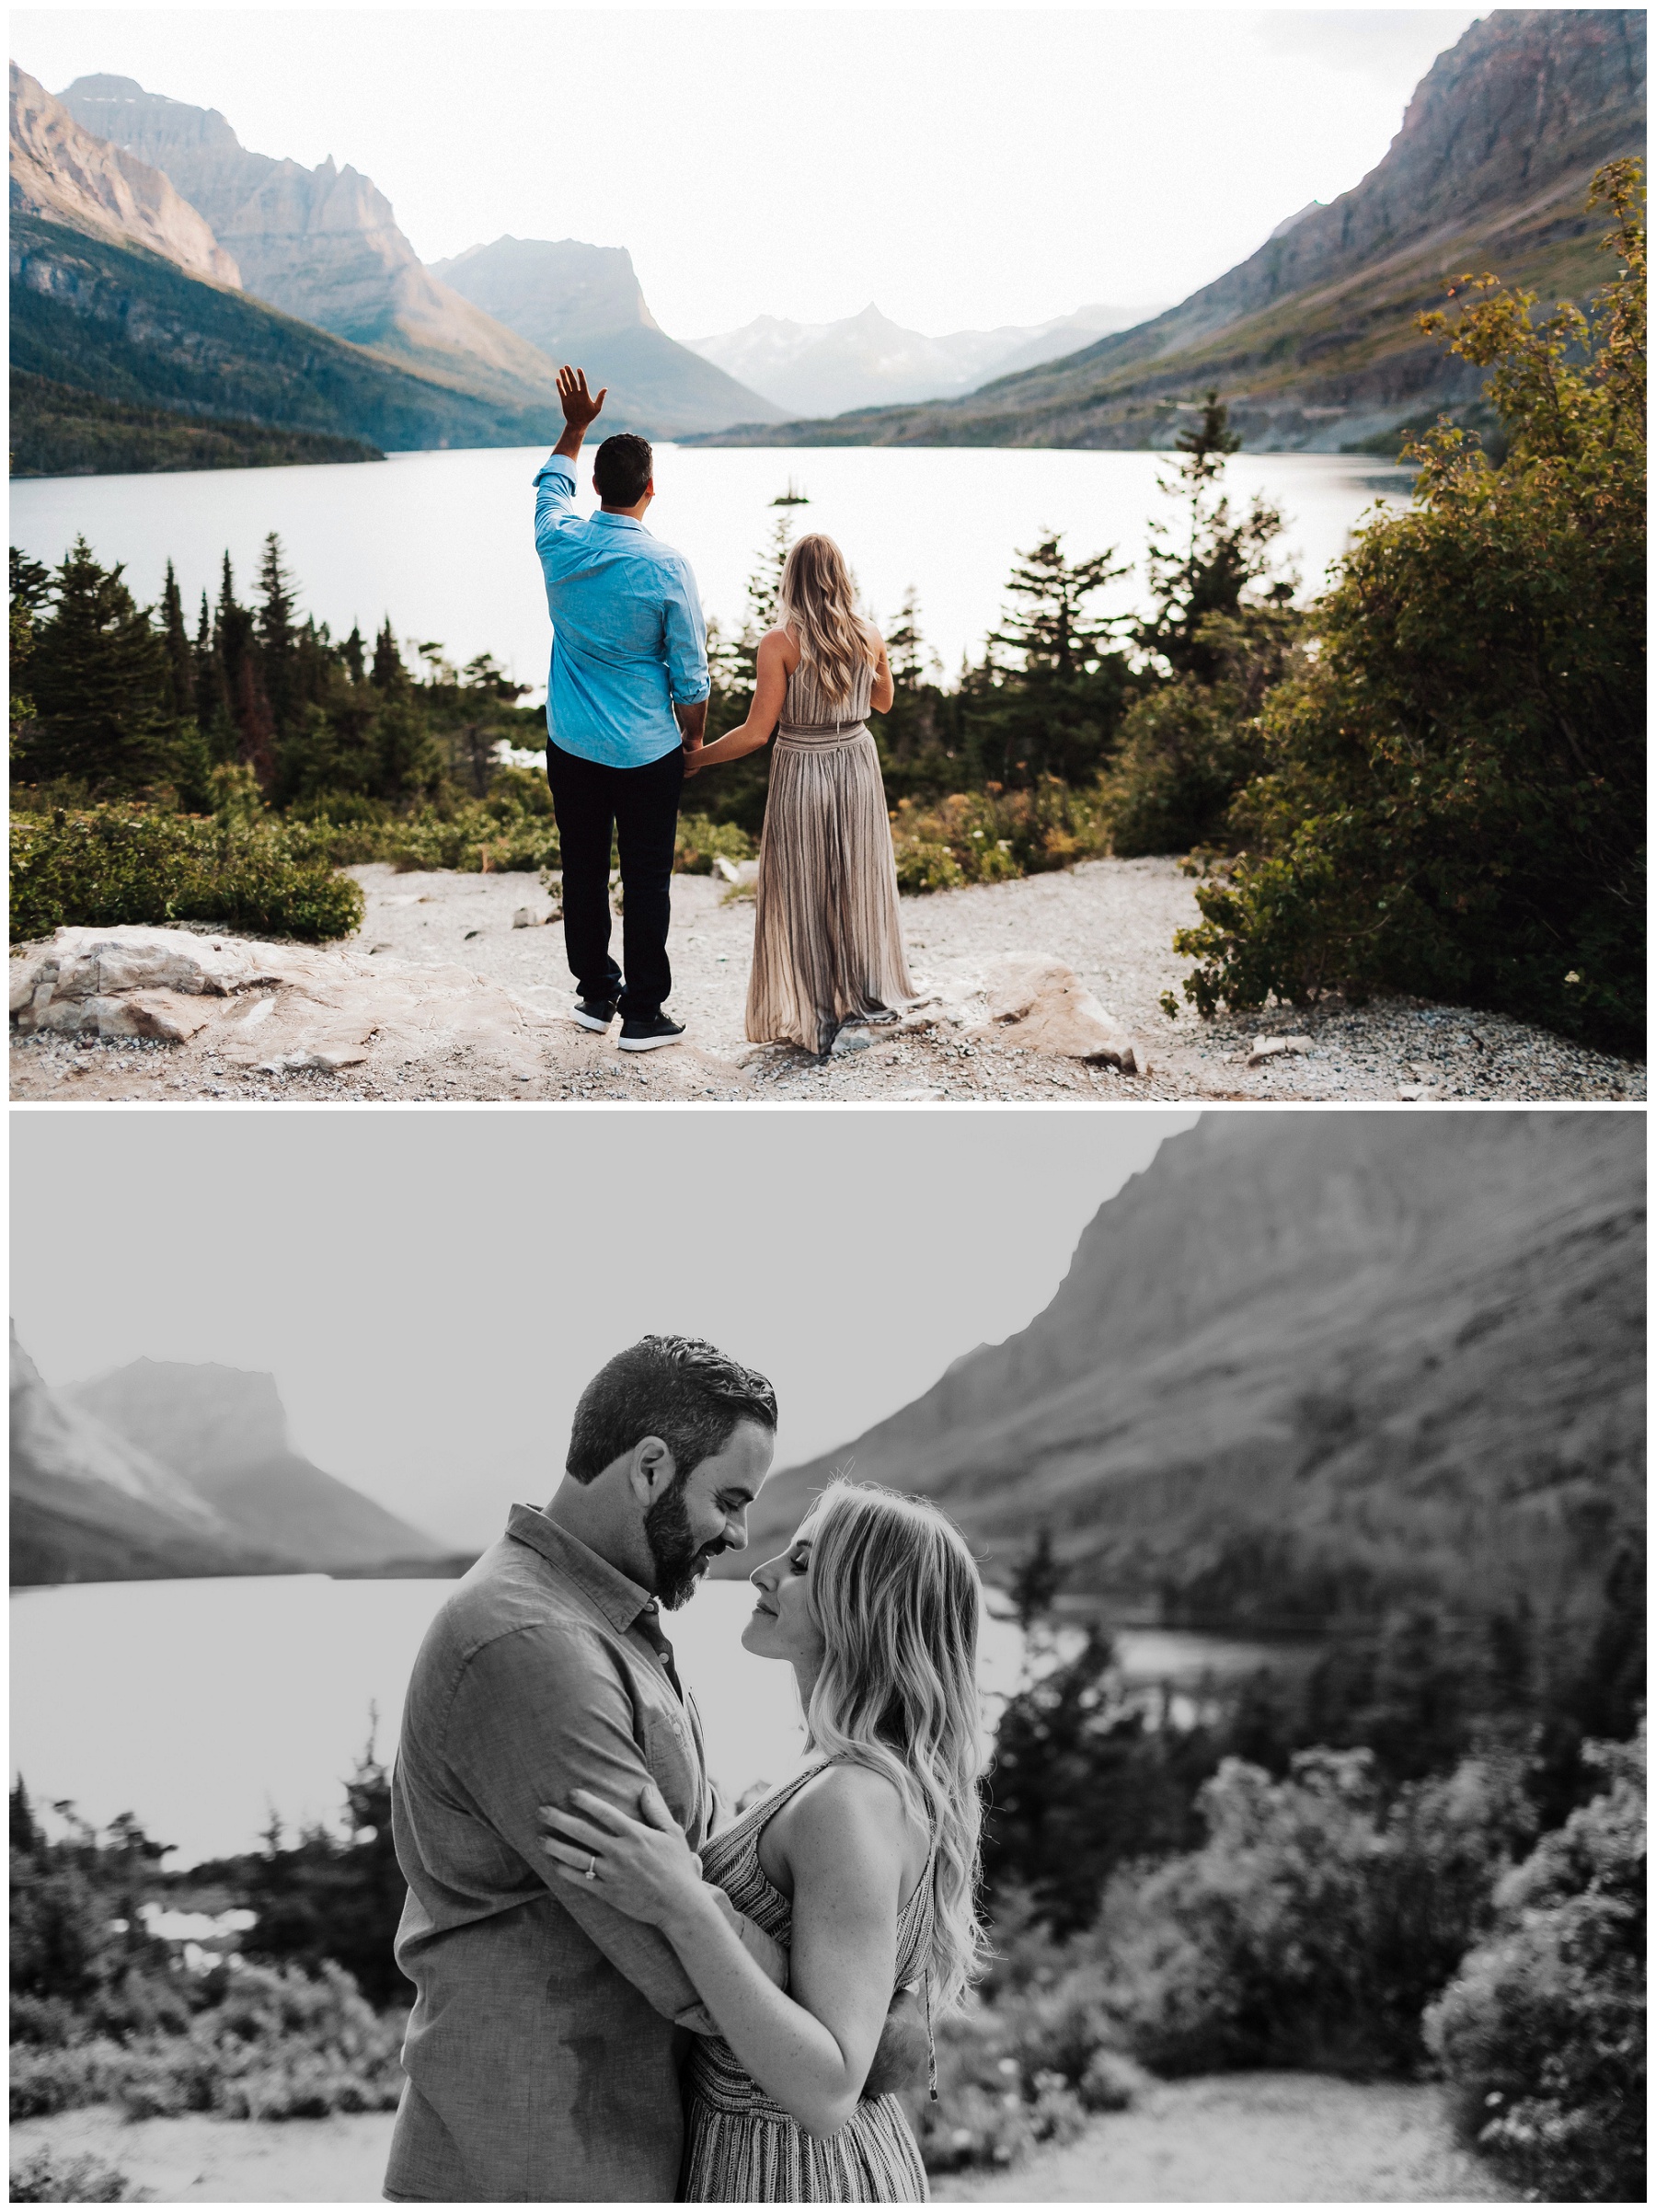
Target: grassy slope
[131,329]
[56,430]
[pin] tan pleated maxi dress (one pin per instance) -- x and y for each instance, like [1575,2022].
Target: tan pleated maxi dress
[740,2148]
[827,938]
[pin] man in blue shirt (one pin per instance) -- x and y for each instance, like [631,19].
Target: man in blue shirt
[626,699]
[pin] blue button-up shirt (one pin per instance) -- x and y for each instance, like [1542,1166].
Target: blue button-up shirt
[627,636]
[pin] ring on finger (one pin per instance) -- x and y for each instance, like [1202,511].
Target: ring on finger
[593,1867]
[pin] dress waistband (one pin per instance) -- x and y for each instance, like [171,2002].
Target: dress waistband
[820,733]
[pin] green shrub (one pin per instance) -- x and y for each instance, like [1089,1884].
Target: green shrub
[993,835]
[1314,1924]
[43,2180]
[1451,802]
[1541,2035]
[270,2042]
[110,864]
[700,842]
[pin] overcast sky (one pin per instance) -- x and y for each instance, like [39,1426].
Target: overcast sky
[432,1289]
[962,167]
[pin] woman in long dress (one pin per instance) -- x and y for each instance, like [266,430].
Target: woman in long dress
[827,938]
[863,1868]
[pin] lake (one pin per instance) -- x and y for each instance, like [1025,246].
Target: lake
[442,541]
[202,1706]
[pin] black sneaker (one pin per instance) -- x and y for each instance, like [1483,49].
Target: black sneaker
[594,1013]
[638,1036]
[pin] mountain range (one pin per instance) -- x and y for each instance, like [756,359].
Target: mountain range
[160,1471]
[1312,341]
[869,361]
[1304,1369]
[162,270]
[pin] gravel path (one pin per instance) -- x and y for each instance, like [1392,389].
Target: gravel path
[1223,2139]
[1111,920]
[1253,2139]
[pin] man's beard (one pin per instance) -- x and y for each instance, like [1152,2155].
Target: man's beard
[677,1556]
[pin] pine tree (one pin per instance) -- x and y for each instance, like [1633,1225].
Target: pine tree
[30,590]
[276,633]
[388,673]
[352,650]
[101,682]
[180,665]
[1223,557]
[1051,630]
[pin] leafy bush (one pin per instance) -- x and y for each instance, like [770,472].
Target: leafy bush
[1541,2035]
[1031,2056]
[113,863]
[1453,796]
[42,2180]
[1314,1924]
[993,836]
[700,842]
[271,2043]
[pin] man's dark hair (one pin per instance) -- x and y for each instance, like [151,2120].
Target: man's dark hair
[622,467]
[680,1388]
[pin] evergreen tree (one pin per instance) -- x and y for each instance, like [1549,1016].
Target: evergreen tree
[180,664]
[353,649]
[30,590]
[101,682]
[1053,706]
[1215,563]
[388,674]
[276,631]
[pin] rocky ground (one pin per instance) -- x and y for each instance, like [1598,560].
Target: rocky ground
[1228,2139]
[1111,921]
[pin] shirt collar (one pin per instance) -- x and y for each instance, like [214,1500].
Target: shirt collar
[618,522]
[620,1600]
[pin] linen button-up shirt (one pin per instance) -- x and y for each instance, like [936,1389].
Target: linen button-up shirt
[543,2047]
[628,635]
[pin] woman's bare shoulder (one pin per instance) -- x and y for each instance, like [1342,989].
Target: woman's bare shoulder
[846,1801]
[778,644]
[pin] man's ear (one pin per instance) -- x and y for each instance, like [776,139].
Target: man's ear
[653,1470]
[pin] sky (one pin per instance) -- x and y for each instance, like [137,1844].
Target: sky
[433,1289]
[962,167]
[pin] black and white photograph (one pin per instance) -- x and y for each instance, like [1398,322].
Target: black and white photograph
[827,1120]
[1104,1661]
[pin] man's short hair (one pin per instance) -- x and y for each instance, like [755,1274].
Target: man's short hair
[680,1388]
[622,467]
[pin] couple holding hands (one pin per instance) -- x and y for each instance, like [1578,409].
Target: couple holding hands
[626,708]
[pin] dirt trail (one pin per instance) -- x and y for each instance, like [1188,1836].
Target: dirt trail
[1112,921]
[1234,2139]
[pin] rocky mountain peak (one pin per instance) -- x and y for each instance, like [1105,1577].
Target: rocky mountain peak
[202,1420]
[62,170]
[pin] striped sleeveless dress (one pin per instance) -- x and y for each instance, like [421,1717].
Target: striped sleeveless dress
[827,940]
[739,2147]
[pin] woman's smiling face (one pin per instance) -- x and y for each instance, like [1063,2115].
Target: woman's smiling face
[782,1625]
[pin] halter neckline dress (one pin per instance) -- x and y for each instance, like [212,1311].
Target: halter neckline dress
[740,2148]
[827,935]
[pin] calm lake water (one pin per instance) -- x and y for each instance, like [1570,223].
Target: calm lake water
[442,541]
[201,1706]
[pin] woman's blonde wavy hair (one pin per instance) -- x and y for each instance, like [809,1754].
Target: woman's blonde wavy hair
[816,600]
[897,1596]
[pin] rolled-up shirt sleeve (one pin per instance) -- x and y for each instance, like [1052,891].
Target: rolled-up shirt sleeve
[541,1712]
[686,639]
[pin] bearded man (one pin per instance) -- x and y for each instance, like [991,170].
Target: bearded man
[543,2049]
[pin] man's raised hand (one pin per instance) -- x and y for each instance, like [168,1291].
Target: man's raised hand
[580,408]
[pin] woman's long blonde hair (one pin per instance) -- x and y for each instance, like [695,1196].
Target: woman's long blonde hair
[896,1595]
[817,601]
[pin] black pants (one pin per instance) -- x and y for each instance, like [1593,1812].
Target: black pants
[641,806]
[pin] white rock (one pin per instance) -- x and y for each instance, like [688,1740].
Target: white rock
[848,1041]
[1267,1048]
[726,870]
[1037,1002]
